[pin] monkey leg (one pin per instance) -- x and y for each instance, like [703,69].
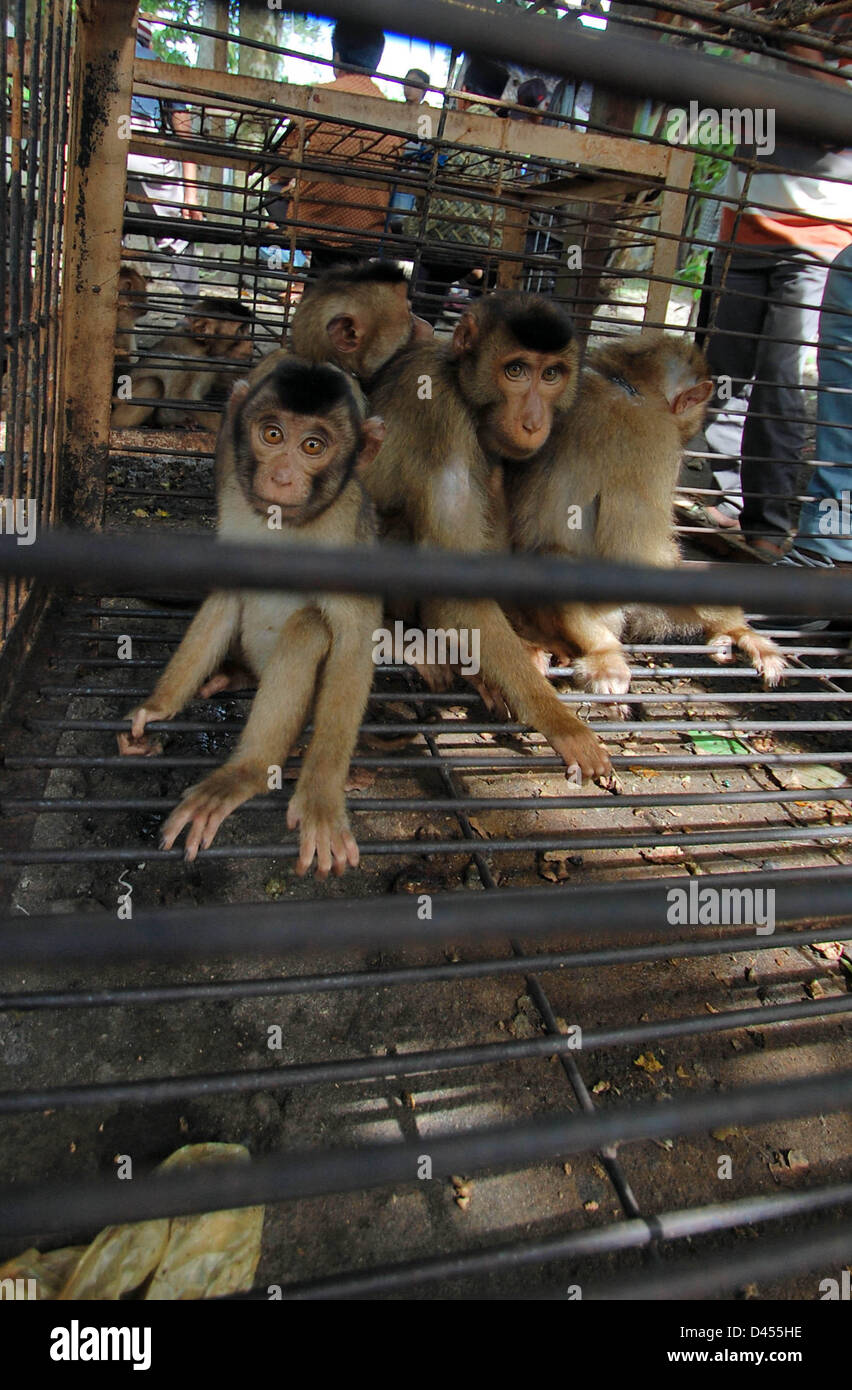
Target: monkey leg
[204,645]
[277,716]
[318,805]
[505,664]
[600,665]
[726,628]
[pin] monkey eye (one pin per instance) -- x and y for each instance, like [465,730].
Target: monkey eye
[552,373]
[515,370]
[272,434]
[313,446]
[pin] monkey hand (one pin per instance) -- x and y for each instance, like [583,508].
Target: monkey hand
[583,754]
[207,804]
[325,833]
[137,743]
[767,659]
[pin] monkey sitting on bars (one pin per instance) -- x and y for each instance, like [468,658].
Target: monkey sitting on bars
[191,364]
[291,441]
[602,488]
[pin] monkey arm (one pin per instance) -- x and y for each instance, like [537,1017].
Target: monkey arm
[277,716]
[318,804]
[205,644]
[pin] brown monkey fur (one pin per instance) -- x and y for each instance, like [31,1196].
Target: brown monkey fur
[508,374]
[216,335]
[616,455]
[357,317]
[132,305]
[290,441]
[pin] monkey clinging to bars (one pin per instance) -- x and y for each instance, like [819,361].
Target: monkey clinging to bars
[291,441]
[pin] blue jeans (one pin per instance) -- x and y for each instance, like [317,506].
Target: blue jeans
[825,524]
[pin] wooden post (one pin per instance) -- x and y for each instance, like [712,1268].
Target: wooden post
[672,216]
[94,213]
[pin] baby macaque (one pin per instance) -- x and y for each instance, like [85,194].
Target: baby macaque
[292,438]
[201,357]
[602,488]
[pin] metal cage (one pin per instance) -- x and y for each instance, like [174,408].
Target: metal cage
[507,1063]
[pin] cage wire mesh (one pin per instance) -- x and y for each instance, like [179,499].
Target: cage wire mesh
[501,989]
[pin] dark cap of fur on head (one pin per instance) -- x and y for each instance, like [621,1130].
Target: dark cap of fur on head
[536,323]
[215,306]
[364,273]
[309,389]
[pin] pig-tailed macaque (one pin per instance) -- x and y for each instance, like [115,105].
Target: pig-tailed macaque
[603,488]
[132,305]
[289,446]
[450,410]
[185,368]
[357,317]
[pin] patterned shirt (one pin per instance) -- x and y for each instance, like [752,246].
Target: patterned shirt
[353,207]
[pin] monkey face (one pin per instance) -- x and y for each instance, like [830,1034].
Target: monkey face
[517,365]
[299,459]
[298,438]
[530,386]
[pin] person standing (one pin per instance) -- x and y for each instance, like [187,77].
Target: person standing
[341,223]
[784,224]
[164,187]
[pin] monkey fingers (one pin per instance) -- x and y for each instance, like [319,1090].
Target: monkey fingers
[765,656]
[603,672]
[768,660]
[324,834]
[583,754]
[206,805]
[137,743]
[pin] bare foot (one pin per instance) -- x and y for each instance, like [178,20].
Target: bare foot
[205,806]
[583,754]
[603,673]
[324,834]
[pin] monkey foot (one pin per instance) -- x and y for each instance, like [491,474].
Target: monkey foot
[204,807]
[324,834]
[767,659]
[491,697]
[603,673]
[584,756]
[438,678]
[231,677]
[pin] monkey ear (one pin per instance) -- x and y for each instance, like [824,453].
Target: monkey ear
[466,334]
[373,433]
[345,333]
[238,394]
[692,397]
